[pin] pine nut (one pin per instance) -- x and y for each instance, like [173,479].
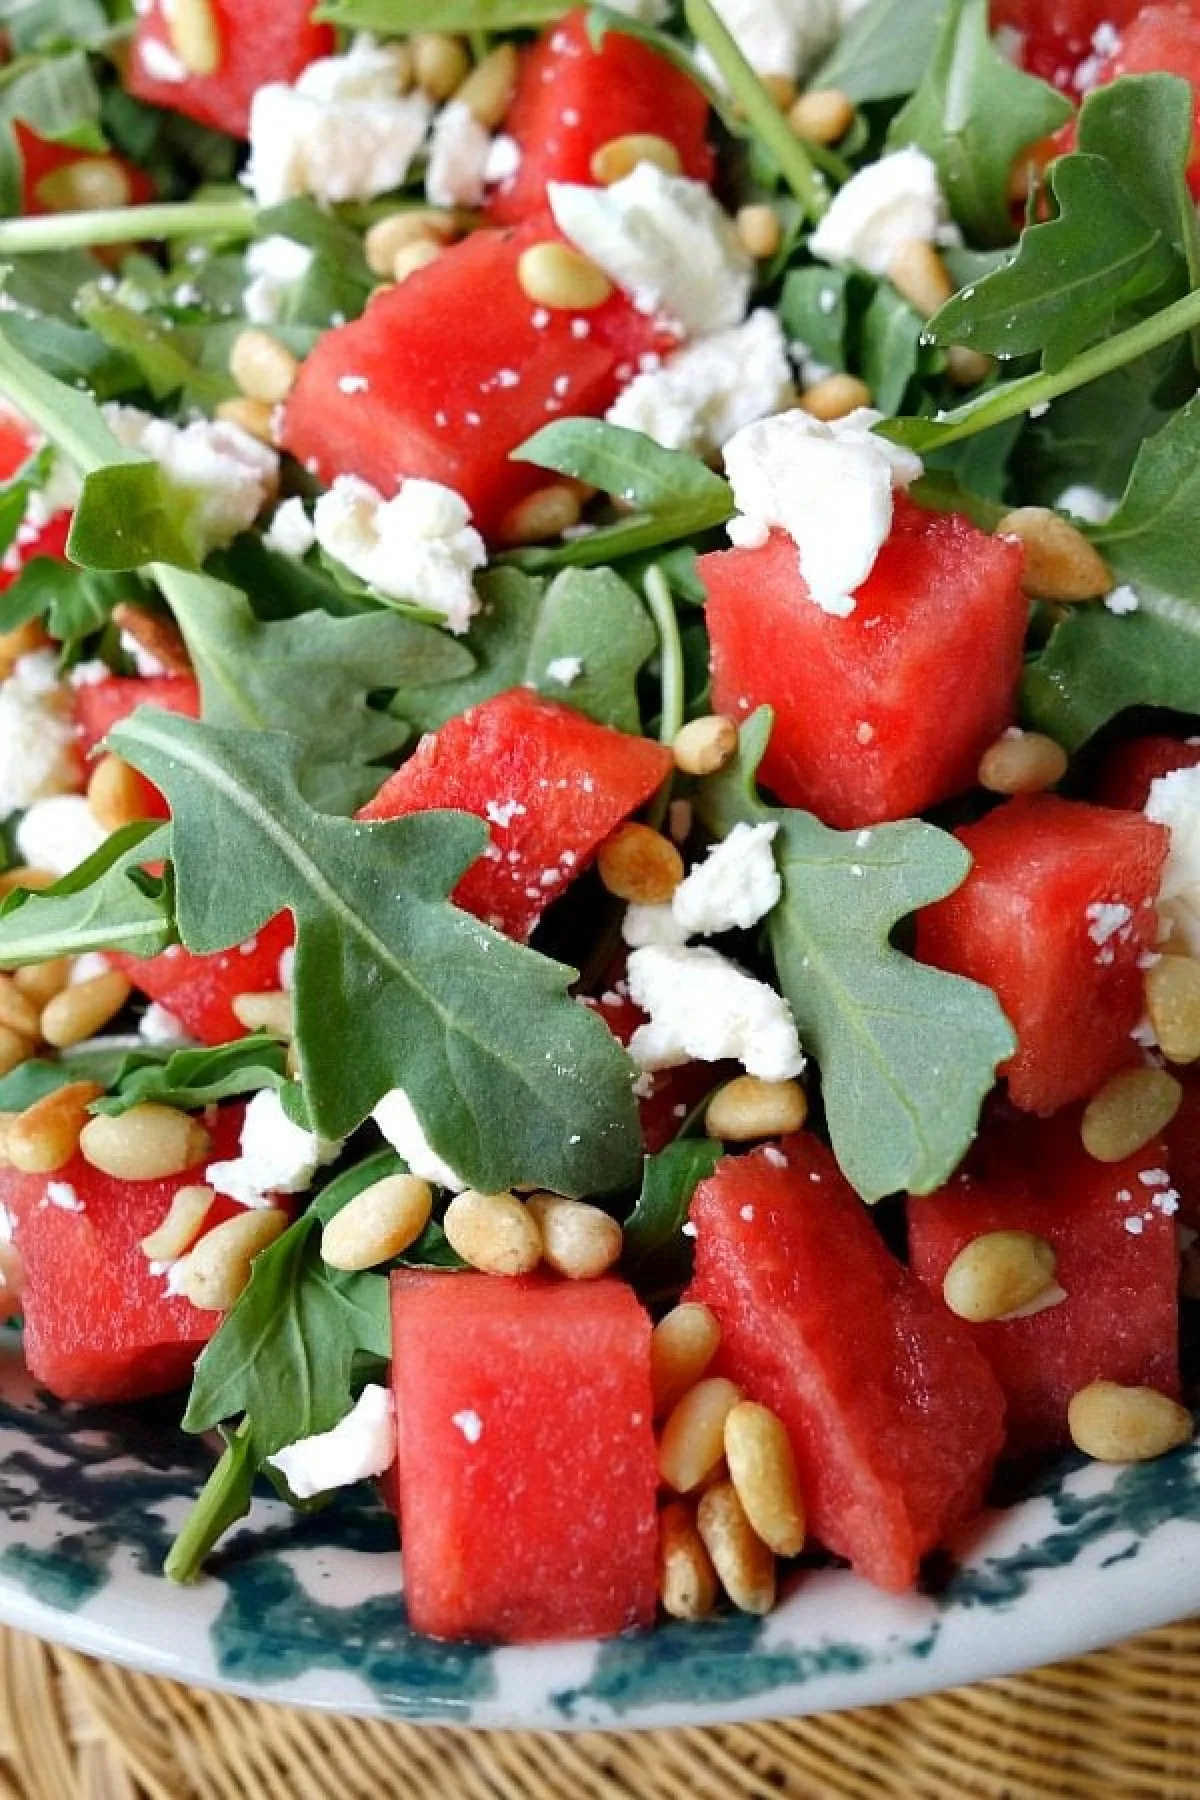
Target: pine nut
[263,367]
[744,1564]
[762,1468]
[680,818]
[693,1438]
[17,1011]
[493,1232]
[683,1343]
[254,417]
[272,1011]
[578,1241]
[379,1223]
[45,1136]
[997,1273]
[414,257]
[556,276]
[489,89]
[41,981]
[23,877]
[440,63]
[1022,762]
[967,367]
[12,1280]
[823,115]
[14,1050]
[1111,1423]
[147,1143]
[782,90]
[640,865]
[21,641]
[84,1008]
[1128,1112]
[687,1581]
[388,236]
[705,746]
[835,397]
[747,1108]
[1173,1004]
[156,633]
[919,275]
[7,1121]
[194,34]
[180,1225]
[115,794]
[93,184]
[1060,564]
[760,231]
[542,515]
[216,1272]
[621,155]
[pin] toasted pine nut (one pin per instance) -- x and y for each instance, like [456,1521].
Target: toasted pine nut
[21,641]
[17,1010]
[1128,1112]
[84,1008]
[1173,1004]
[41,981]
[919,274]
[967,367]
[378,1223]
[115,794]
[704,746]
[693,1438]
[489,89]
[997,1273]
[263,367]
[195,35]
[217,1269]
[545,514]
[46,1135]
[493,1232]
[147,1143]
[683,1343]
[270,1011]
[12,1280]
[687,1581]
[744,1564]
[1022,762]
[23,877]
[782,90]
[823,115]
[639,864]
[762,1468]
[180,1225]
[835,397]
[156,633]
[93,184]
[410,259]
[556,276]
[578,1241]
[760,231]
[14,1050]
[254,417]
[1060,564]
[747,1108]
[440,63]
[1126,1424]
[7,1121]
[388,236]
[621,156]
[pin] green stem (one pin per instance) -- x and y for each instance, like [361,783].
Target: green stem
[761,112]
[670,647]
[126,224]
[224,1499]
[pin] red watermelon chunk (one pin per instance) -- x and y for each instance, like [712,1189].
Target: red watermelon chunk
[261,41]
[1156,39]
[41,157]
[572,98]
[525,1456]
[1130,769]
[1055,917]
[99,705]
[552,785]
[884,713]
[99,1324]
[200,990]
[895,1417]
[1113,1230]
[18,441]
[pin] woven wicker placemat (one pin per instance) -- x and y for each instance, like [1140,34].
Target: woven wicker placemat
[1121,1725]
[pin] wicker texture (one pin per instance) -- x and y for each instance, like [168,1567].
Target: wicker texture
[1121,1725]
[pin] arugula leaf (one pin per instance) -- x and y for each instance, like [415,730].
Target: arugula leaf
[226,1497]
[40,27]
[154,350]
[500,640]
[593,615]
[907,1053]
[129,515]
[1097,665]
[399,17]
[74,603]
[814,310]
[1153,536]
[668,1182]
[393,985]
[70,353]
[107,903]
[884,51]
[891,347]
[192,1079]
[55,96]
[973,114]
[1142,126]
[33,1080]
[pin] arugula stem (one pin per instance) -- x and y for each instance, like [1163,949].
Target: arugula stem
[126,224]
[224,1498]
[760,111]
[662,610]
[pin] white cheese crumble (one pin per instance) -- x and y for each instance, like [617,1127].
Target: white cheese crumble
[225,473]
[469,1423]
[776,37]
[160,1026]
[665,241]
[59,833]
[735,886]
[62,1195]
[291,531]
[419,546]
[275,1156]
[829,486]
[565,671]
[459,155]
[361,1445]
[702,1007]
[709,391]
[274,266]
[88,966]
[1122,600]
[888,204]
[504,160]
[1107,919]
[160,62]
[643,926]
[397,1120]
[1175,802]
[1086,503]
[38,757]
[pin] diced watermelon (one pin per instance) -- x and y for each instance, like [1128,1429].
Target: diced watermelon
[525,1456]
[453,370]
[99,705]
[895,1417]
[18,441]
[1158,39]
[41,157]
[99,1324]
[261,41]
[1059,36]
[551,783]
[1112,1227]
[666,1096]
[200,990]
[884,713]
[1129,770]
[1055,917]
[572,98]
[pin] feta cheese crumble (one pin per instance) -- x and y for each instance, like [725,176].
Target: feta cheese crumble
[275,1156]
[1175,802]
[59,833]
[710,390]
[158,1025]
[665,241]
[291,531]
[469,1423]
[702,1007]
[735,886]
[776,37]
[644,926]
[38,756]
[396,1118]
[361,1445]
[459,156]
[888,204]
[62,1195]
[274,265]
[1086,503]
[1122,600]
[226,474]
[565,671]
[419,546]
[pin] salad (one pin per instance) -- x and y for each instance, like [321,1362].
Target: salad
[601,841]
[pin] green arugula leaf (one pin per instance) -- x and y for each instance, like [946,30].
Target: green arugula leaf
[1098,664]
[885,51]
[592,615]
[74,603]
[668,1182]
[226,1497]
[907,1053]
[33,1080]
[814,310]
[41,27]
[154,350]
[973,114]
[500,641]
[891,347]
[192,1079]
[129,515]
[70,353]
[55,96]
[1142,126]
[107,903]
[399,17]
[393,985]
[1154,536]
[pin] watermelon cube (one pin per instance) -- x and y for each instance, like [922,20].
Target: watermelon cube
[1128,772]
[1156,39]
[200,990]
[259,41]
[99,705]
